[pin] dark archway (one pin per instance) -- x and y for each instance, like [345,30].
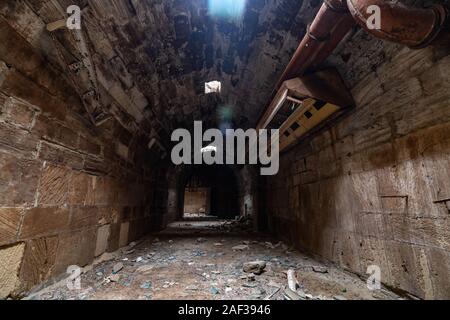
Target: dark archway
[211,191]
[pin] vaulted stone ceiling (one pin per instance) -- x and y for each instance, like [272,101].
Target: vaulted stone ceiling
[152,57]
[171,47]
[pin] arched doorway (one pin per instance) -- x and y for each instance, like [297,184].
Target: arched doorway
[211,192]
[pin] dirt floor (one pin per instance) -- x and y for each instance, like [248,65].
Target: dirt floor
[197,260]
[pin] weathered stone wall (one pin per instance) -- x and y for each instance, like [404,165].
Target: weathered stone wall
[375,188]
[196,200]
[68,191]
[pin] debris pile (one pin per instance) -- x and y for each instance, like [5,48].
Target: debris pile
[203,266]
[255,267]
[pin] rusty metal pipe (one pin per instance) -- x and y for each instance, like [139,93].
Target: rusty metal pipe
[416,28]
[331,24]
[413,27]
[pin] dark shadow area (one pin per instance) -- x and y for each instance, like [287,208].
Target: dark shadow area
[211,192]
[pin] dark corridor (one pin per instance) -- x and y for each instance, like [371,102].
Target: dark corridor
[221,182]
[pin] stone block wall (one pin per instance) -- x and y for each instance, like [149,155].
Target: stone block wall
[196,201]
[66,194]
[375,188]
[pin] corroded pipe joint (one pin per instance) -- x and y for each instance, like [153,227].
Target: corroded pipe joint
[443,30]
[416,28]
[336,9]
[441,25]
[317,38]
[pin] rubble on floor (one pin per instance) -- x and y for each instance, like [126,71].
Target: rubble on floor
[178,265]
[255,267]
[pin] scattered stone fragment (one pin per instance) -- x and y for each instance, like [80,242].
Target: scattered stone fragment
[291,295]
[192,288]
[339,298]
[292,280]
[144,269]
[377,295]
[218,244]
[117,267]
[87,269]
[130,251]
[256,267]
[146,285]
[139,259]
[198,253]
[214,290]
[273,294]
[127,282]
[241,247]
[260,292]
[201,240]
[301,294]
[273,284]
[250,277]
[309,296]
[114,278]
[320,269]
[107,256]
[269,245]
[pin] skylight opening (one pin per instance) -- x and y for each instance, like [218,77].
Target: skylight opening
[226,8]
[209,149]
[213,87]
